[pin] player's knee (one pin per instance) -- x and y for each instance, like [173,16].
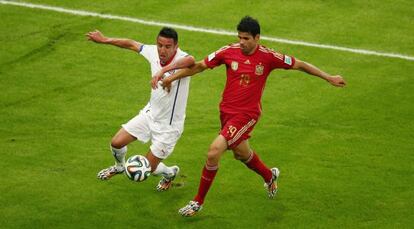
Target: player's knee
[117,143]
[213,153]
[238,156]
[212,156]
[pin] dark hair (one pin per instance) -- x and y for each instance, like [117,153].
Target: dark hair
[169,33]
[249,25]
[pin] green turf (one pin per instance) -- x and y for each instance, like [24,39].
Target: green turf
[377,25]
[345,154]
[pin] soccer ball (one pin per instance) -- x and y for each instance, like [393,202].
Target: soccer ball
[137,168]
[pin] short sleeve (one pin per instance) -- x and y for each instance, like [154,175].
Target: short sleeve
[282,61]
[181,53]
[148,51]
[216,58]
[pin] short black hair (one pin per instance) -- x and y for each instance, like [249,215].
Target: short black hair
[169,33]
[249,25]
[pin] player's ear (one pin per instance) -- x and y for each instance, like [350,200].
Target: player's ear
[257,37]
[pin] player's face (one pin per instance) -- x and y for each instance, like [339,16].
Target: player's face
[248,43]
[166,48]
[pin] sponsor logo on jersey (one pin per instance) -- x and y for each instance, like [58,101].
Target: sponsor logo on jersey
[288,60]
[259,69]
[234,65]
[211,56]
[247,62]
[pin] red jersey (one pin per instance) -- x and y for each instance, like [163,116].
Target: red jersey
[246,76]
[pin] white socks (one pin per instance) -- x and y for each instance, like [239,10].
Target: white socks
[163,170]
[119,155]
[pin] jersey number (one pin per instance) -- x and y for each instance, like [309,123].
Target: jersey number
[244,79]
[232,130]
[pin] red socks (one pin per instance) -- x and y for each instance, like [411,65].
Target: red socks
[254,163]
[209,172]
[207,177]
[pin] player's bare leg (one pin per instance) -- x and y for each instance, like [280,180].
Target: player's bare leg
[242,151]
[118,148]
[159,168]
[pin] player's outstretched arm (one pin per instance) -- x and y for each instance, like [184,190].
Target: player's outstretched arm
[184,62]
[194,69]
[98,37]
[336,80]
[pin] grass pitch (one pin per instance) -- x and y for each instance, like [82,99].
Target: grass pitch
[345,154]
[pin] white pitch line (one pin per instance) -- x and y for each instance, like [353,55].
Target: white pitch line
[204,30]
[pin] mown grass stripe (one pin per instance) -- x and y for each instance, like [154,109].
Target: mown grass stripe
[205,30]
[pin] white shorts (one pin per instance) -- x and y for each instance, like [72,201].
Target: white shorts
[163,136]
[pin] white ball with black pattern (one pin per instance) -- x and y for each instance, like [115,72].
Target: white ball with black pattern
[137,168]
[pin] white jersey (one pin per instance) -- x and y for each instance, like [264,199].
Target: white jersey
[167,107]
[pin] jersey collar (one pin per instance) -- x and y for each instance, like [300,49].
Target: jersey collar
[255,51]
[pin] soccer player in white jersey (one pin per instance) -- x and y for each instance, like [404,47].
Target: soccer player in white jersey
[162,119]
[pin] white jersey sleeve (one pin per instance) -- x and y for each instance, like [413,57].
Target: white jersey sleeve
[150,52]
[181,53]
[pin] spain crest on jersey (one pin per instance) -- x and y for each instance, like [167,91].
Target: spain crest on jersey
[234,65]
[259,69]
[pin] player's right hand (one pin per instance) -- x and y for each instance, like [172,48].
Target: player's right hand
[166,84]
[154,81]
[96,36]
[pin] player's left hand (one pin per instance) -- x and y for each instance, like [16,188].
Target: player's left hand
[336,81]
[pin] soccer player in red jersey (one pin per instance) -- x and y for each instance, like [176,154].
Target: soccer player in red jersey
[248,64]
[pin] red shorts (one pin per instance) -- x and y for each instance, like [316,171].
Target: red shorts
[236,127]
